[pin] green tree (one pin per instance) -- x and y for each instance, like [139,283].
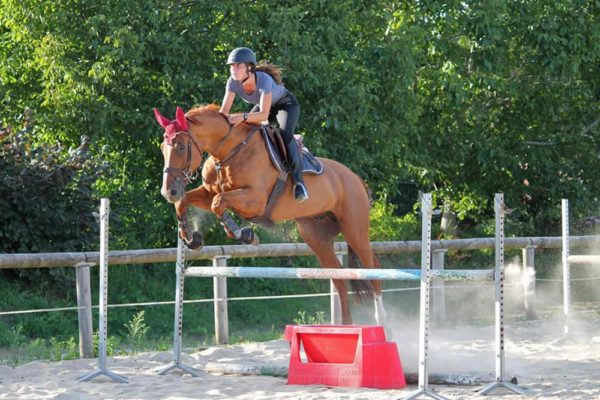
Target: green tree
[464,99]
[508,94]
[46,202]
[461,98]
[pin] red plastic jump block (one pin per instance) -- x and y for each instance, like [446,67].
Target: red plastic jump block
[342,355]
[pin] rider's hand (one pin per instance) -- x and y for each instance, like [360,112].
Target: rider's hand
[235,119]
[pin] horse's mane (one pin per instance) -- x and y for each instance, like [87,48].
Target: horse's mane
[207,109]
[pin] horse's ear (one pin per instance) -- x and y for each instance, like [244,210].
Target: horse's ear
[180,117]
[163,121]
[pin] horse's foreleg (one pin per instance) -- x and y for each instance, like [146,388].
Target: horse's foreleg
[245,235]
[199,198]
[192,239]
[235,199]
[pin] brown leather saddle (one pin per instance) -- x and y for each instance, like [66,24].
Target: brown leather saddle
[278,153]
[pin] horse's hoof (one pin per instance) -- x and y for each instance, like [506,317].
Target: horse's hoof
[196,243]
[247,236]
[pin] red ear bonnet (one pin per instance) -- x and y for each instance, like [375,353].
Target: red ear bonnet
[180,117]
[174,127]
[162,121]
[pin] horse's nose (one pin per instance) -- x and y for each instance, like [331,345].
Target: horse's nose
[168,194]
[164,194]
[171,194]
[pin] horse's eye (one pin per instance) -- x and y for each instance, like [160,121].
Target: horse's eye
[180,147]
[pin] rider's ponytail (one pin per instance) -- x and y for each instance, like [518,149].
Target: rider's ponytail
[272,70]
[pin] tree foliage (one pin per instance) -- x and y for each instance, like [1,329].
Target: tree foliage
[47,200]
[508,101]
[464,99]
[461,98]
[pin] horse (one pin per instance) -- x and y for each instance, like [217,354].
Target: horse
[238,175]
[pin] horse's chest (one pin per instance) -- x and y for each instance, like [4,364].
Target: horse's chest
[222,181]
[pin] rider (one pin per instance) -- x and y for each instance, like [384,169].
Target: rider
[261,85]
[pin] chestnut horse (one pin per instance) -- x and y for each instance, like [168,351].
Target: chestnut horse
[239,176]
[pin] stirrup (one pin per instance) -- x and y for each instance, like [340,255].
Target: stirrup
[300,192]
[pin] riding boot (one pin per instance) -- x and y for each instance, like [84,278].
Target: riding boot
[294,157]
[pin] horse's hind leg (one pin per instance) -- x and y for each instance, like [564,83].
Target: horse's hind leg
[380,314]
[318,233]
[355,229]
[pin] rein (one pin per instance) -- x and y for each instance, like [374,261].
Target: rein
[234,151]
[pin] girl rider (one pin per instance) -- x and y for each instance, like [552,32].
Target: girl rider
[261,86]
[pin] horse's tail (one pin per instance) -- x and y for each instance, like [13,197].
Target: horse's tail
[363,290]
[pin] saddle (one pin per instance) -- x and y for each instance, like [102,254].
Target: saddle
[278,155]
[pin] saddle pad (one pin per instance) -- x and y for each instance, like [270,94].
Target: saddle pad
[310,164]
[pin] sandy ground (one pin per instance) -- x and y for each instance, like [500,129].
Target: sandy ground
[546,365]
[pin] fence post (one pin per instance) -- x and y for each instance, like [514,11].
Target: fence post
[439,293]
[220,304]
[529,281]
[84,304]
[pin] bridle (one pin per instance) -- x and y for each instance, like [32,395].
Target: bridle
[186,172]
[190,176]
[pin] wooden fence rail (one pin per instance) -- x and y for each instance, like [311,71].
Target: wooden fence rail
[84,260]
[154,256]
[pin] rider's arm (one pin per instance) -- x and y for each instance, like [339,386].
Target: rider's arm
[257,117]
[227,102]
[265,108]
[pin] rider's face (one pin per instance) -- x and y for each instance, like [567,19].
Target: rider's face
[238,71]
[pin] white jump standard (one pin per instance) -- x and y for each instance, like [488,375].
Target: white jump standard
[177,335]
[103,309]
[501,381]
[426,214]
[567,260]
[565,265]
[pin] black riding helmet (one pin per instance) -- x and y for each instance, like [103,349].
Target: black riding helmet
[241,55]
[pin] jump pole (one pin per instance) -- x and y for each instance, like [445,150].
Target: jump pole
[335,273]
[501,381]
[177,334]
[103,306]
